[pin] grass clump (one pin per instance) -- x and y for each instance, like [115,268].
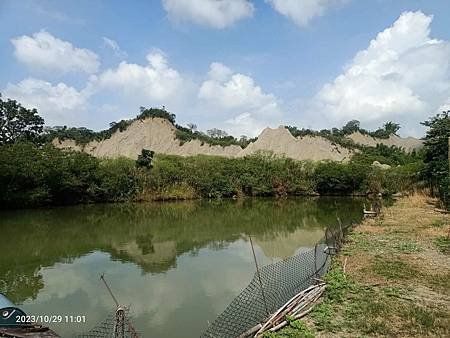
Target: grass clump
[439,282]
[394,242]
[338,285]
[323,317]
[366,313]
[439,223]
[443,244]
[407,246]
[421,319]
[394,269]
[296,329]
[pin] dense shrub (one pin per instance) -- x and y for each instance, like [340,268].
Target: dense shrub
[34,175]
[30,175]
[436,153]
[118,180]
[333,177]
[403,178]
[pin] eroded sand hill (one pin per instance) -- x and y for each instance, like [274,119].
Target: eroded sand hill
[281,142]
[408,144]
[158,135]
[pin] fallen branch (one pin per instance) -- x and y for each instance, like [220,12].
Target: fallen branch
[295,317]
[295,308]
[442,211]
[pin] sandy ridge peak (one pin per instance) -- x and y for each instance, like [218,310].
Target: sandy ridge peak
[159,135]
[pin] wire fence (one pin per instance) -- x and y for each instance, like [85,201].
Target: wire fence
[115,325]
[280,282]
[276,283]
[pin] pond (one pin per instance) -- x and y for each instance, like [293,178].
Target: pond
[176,264]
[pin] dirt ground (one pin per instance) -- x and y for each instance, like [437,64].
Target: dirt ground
[391,279]
[399,263]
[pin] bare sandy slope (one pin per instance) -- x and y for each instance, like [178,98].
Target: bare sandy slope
[158,135]
[281,142]
[408,143]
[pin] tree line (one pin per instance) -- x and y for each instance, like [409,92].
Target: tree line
[34,172]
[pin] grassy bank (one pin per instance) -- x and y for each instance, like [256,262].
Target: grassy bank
[396,281]
[40,175]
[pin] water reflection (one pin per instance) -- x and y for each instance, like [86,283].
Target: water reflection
[183,260]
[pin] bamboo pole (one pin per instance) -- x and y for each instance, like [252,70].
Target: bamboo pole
[281,309]
[294,306]
[259,276]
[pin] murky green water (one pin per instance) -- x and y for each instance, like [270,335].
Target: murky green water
[178,265]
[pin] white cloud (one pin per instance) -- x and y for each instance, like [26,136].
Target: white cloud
[57,104]
[213,13]
[227,93]
[155,81]
[114,46]
[245,124]
[404,75]
[43,51]
[303,11]
[219,72]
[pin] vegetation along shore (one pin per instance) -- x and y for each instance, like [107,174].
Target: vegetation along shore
[34,172]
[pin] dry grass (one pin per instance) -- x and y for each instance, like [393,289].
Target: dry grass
[402,278]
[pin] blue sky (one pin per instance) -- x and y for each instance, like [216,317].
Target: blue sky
[239,65]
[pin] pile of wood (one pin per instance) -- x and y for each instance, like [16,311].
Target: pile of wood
[297,307]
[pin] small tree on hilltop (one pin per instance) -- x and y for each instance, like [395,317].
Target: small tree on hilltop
[18,123]
[351,127]
[391,128]
[192,127]
[216,133]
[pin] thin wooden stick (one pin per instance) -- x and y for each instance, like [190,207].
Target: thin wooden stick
[281,309]
[293,306]
[297,316]
[345,264]
[259,276]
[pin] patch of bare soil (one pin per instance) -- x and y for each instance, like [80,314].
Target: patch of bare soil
[395,255]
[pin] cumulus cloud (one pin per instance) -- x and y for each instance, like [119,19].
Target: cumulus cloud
[43,51]
[404,75]
[155,82]
[245,124]
[214,13]
[56,103]
[303,11]
[234,93]
[114,47]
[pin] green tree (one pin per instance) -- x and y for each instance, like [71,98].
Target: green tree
[33,175]
[351,127]
[145,159]
[18,123]
[436,170]
[388,129]
[391,128]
